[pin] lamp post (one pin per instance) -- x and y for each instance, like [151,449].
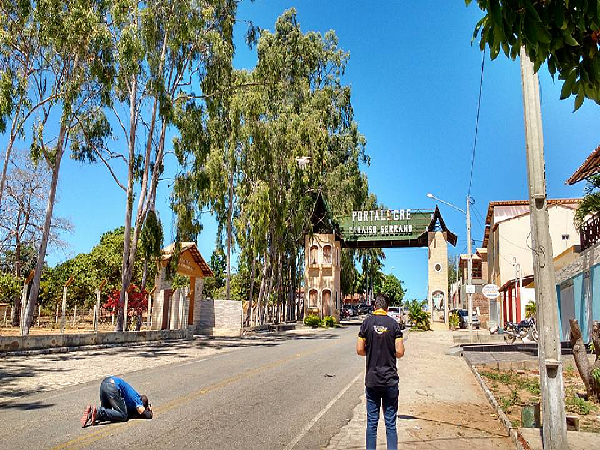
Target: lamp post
[469,260]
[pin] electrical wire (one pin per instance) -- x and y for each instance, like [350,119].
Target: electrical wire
[476,124]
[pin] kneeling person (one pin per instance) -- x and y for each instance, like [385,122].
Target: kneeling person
[118,403]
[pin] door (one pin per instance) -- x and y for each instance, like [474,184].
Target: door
[326,303]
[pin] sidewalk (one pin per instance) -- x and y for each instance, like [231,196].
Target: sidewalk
[441,404]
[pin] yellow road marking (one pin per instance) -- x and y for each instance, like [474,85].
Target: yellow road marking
[82,441]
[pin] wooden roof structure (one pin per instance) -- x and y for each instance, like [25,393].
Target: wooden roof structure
[591,166]
[191,262]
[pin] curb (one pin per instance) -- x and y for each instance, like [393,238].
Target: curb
[514,433]
[52,350]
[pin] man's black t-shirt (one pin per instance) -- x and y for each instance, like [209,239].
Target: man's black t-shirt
[380,332]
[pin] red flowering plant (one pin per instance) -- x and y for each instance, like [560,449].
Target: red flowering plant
[136,304]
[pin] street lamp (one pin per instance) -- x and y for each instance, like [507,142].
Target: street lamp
[469,260]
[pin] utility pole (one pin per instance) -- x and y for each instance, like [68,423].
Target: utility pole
[549,350]
[469,270]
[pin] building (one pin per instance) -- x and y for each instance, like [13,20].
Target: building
[578,267]
[479,277]
[507,238]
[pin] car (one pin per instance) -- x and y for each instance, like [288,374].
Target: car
[349,310]
[396,313]
[364,309]
[463,318]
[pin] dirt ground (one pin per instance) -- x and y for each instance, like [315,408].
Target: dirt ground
[514,390]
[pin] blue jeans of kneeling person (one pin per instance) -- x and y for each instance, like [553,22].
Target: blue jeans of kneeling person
[385,398]
[113,407]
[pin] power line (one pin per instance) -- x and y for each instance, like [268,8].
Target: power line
[476,123]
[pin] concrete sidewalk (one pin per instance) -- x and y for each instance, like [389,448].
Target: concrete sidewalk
[441,404]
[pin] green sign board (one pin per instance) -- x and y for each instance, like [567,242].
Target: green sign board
[387,227]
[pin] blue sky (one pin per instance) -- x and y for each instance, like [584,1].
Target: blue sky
[415,81]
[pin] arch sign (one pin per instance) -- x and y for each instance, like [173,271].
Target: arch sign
[387,228]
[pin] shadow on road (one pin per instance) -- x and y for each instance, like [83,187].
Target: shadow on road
[25,406]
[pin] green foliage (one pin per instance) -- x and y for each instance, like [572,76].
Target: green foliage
[578,405]
[180,281]
[328,321]
[151,237]
[392,288]
[419,318]
[564,35]
[596,375]
[312,320]
[530,309]
[590,203]
[10,287]
[454,320]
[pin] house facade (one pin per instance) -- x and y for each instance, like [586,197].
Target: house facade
[507,238]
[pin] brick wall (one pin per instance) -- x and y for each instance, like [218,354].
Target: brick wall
[218,317]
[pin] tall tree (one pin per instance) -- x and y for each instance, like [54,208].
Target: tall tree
[165,46]
[74,43]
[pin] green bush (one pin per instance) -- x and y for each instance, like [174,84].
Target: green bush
[312,321]
[418,317]
[328,321]
[453,320]
[578,405]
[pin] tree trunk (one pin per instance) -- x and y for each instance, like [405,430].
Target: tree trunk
[592,385]
[11,140]
[251,295]
[35,288]
[229,233]
[129,205]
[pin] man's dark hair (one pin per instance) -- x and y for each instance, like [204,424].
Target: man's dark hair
[381,302]
[144,401]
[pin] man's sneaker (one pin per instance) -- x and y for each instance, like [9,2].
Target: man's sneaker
[94,415]
[86,416]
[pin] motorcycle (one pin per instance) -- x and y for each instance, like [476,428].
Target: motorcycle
[524,329]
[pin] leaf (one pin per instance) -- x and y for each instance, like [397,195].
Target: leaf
[568,39]
[494,7]
[579,100]
[567,87]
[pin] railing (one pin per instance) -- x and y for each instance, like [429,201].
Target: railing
[589,234]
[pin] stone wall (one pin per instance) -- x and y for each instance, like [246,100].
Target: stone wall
[49,341]
[218,317]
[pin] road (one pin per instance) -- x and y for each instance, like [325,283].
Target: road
[290,390]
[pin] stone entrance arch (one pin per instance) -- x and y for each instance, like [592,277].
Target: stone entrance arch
[381,228]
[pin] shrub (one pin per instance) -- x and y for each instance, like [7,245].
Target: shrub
[578,405]
[328,321]
[418,317]
[312,320]
[453,320]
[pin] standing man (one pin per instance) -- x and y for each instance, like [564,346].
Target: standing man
[380,340]
[119,402]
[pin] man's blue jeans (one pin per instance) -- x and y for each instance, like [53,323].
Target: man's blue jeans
[386,397]
[113,407]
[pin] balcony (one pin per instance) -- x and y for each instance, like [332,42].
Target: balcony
[589,234]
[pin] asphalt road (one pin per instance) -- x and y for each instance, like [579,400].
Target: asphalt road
[286,391]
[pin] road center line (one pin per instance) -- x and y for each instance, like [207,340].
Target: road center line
[310,424]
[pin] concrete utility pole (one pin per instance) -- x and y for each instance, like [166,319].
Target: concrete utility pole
[551,379]
[469,270]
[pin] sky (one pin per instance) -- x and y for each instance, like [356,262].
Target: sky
[415,80]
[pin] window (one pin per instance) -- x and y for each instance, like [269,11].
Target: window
[312,298]
[327,254]
[438,267]
[314,255]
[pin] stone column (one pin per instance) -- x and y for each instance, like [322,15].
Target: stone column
[198,300]
[174,322]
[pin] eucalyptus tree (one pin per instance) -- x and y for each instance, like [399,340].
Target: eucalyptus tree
[164,47]
[21,219]
[77,72]
[242,163]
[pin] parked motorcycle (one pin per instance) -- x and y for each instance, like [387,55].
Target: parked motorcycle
[525,328]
